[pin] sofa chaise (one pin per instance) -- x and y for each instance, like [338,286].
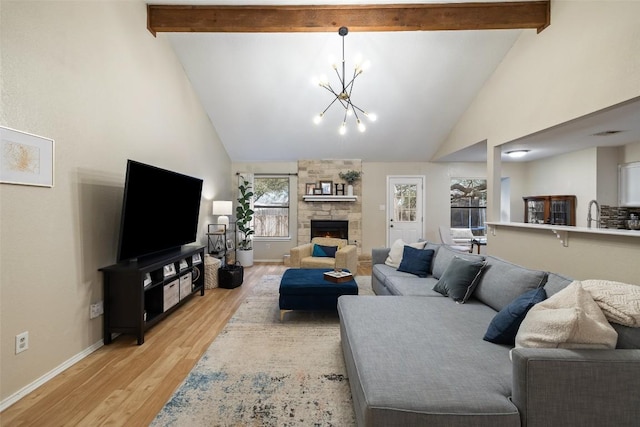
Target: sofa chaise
[417,358]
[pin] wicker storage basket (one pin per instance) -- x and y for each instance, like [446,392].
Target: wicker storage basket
[212,264]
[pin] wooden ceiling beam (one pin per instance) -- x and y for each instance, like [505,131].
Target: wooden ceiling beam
[321,18]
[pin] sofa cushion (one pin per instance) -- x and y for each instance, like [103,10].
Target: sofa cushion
[324,251]
[412,286]
[555,283]
[504,326]
[410,364]
[416,261]
[459,279]
[502,282]
[443,257]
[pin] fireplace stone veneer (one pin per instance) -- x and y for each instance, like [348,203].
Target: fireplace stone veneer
[314,171]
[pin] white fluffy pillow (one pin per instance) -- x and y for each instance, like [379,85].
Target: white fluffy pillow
[397,249]
[569,319]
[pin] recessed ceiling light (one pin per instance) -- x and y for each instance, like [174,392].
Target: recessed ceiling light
[517,153]
[607,133]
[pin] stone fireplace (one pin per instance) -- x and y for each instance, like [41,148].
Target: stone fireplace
[330,228]
[346,212]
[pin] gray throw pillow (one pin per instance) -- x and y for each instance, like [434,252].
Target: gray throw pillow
[459,279]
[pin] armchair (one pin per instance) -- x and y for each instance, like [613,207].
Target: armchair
[346,255]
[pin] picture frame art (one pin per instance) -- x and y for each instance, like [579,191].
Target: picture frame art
[26,159]
[327,188]
[310,188]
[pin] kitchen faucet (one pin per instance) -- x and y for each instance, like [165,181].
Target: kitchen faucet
[589,219]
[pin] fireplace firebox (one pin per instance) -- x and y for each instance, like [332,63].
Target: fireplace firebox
[330,228]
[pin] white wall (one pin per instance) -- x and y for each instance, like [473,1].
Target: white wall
[90,76]
[585,61]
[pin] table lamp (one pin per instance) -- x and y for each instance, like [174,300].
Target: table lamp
[222,208]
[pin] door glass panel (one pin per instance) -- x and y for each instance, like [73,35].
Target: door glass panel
[405,199]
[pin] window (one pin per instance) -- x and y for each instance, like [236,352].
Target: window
[469,204]
[271,206]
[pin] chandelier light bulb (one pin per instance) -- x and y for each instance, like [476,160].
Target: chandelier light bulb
[343,128]
[318,119]
[361,126]
[371,116]
[349,112]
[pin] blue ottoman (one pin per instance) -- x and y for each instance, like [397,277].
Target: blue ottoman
[306,289]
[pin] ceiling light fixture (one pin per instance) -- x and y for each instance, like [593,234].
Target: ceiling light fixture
[516,154]
[343,96]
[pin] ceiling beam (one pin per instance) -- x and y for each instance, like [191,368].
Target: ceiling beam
[321,18]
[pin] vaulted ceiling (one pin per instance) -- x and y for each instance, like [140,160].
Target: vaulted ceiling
[252,67]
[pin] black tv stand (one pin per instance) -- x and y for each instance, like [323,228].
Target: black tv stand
[140,293]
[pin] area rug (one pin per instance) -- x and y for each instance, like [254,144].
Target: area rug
[260,371]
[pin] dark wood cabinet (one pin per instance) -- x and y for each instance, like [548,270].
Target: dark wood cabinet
[138,294]
[554,210]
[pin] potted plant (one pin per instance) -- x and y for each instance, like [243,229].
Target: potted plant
[350,177]
[244,216]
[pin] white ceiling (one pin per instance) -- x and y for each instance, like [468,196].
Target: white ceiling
[257,91]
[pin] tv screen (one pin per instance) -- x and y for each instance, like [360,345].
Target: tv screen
[159,211]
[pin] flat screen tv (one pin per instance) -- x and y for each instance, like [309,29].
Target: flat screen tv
[159,211]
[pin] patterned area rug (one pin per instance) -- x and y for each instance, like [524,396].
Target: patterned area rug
[263,372]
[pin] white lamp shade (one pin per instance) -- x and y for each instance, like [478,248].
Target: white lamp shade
[222,208]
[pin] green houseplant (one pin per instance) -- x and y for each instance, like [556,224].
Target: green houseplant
[244,216]
[350,177]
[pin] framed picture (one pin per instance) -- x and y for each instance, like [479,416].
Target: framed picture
[195,259]
[229,244]
[310,188]
[327,187]
[25,159]
[183,264]
[317,191]
[169,270]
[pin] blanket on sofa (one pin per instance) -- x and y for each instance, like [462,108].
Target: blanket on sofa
[620,302]
[569,319]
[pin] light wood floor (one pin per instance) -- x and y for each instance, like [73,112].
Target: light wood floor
[126,384]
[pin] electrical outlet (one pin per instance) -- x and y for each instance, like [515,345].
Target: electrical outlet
[96,310]
[22,342]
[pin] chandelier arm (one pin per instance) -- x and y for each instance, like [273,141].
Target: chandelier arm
[330,104]
[353,108]
[357,108]
[339,76]
[330,89]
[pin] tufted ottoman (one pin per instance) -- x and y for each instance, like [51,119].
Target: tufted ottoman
[306,289]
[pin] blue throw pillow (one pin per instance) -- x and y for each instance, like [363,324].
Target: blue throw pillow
[416,261]
[324,251]
[504,326]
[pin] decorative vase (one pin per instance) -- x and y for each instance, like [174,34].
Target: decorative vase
[349,190]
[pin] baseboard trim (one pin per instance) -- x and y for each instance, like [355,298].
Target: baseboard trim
[48,376]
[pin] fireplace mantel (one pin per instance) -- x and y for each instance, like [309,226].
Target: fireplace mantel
[310,198]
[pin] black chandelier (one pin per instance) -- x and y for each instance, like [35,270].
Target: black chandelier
[343,96]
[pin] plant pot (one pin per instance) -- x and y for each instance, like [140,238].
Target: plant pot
[349,190]
[245,257]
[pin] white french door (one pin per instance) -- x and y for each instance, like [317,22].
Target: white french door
[405,206]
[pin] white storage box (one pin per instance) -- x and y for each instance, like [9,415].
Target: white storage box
[171,294]
[185,285]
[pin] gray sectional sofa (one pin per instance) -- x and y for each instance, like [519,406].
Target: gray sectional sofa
[417,358]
